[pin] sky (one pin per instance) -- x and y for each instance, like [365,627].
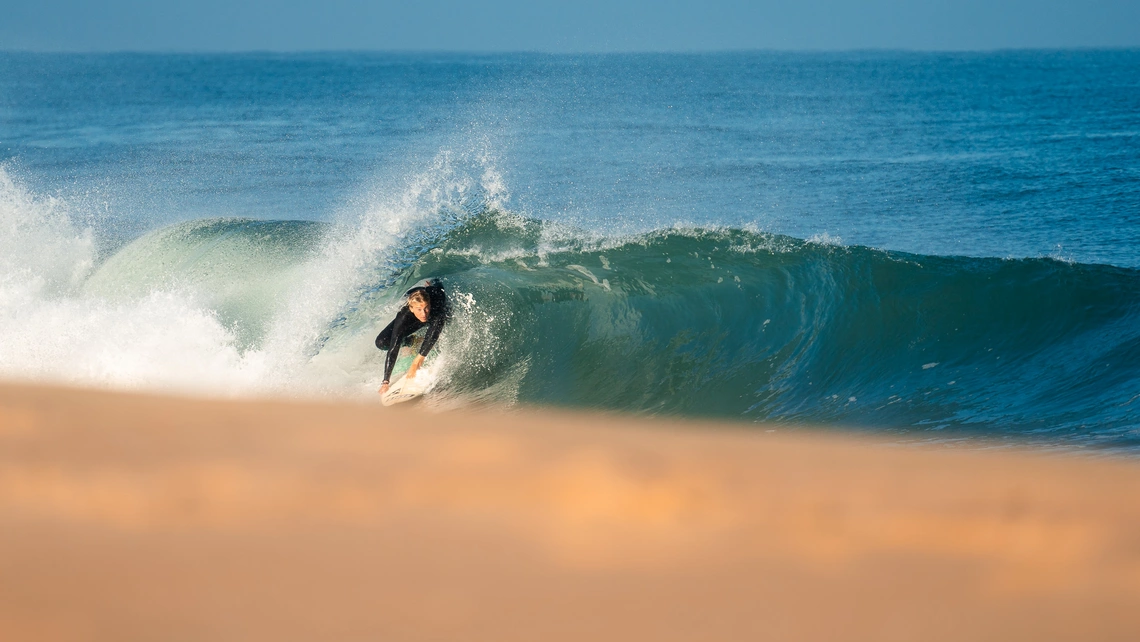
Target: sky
[568,26]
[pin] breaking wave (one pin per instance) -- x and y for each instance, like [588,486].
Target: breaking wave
[728,323]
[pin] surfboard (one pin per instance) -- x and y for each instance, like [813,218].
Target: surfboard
[401,389]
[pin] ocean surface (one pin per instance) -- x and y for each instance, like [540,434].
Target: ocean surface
[933,246]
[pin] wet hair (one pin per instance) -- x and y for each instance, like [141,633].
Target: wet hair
[418,297]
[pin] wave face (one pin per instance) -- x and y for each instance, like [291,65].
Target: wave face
[738,324]
[726,323]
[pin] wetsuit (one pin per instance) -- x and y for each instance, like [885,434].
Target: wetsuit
[405,323]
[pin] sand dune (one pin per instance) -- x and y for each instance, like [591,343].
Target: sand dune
[136,517]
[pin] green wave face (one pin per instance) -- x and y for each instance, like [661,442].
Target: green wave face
[739,324]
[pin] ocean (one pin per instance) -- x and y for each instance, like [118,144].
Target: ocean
[932,246]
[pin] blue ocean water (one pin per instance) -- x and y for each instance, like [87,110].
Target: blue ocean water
[938,245]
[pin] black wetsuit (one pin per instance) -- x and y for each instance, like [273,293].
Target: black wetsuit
[405,323]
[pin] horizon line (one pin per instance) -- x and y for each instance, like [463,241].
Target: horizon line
[539,52]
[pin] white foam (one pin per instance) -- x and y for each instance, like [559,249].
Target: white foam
[167,337]
[50,331]
[162,341]
[41,250]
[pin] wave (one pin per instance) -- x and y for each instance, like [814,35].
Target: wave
[727,323]
[739,324]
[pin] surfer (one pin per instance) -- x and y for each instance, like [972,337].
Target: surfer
[426,305]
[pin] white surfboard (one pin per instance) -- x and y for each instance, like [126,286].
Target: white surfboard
[402,390]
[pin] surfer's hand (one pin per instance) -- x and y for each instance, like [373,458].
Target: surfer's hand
[383,388]
[416,363]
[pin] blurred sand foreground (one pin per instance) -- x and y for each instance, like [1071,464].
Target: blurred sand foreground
[137,518]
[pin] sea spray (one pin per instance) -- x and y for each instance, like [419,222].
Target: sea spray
[42,252]
[366,254]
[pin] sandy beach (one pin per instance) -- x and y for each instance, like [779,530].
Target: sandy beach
[139,517]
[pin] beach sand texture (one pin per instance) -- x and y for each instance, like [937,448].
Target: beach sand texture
[136,517]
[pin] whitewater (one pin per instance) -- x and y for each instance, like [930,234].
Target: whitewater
[953,279]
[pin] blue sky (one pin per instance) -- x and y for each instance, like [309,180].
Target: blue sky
[582,26]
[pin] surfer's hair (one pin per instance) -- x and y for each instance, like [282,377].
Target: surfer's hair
[417,297]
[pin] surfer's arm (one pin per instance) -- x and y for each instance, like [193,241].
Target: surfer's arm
[429,342]
[384,339]
[416,363]
[435,326]
[396,331]
[390,362]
